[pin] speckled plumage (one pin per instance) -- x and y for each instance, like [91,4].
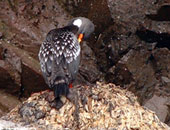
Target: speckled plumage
[59,55]
[60,49]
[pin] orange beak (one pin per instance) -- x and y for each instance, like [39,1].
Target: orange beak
[80,37]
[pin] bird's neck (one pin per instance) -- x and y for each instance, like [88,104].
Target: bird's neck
[72,28]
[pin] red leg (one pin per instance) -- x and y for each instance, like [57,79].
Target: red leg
[70,85]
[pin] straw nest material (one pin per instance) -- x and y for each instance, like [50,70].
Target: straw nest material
[103,106]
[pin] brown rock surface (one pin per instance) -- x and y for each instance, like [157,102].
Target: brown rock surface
[158,104]
[7,102]
[101,106]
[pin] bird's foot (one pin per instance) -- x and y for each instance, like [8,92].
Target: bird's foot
[72,95]
[56,103]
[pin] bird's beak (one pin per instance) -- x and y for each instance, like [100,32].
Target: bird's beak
[80,37]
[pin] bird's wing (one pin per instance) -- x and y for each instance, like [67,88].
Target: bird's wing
[58,55]
[66,44]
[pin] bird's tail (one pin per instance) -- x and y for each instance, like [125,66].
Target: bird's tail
[61,88]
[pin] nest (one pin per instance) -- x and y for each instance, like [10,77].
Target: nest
[103,106]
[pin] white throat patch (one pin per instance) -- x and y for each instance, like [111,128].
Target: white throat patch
[77,22]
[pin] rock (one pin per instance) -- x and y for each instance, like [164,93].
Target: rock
[165,79]
[130,71]
[48,14]
[112,45]
[129,23]
[154,39]
[7,78]
[103,106]
[23,69]
[88,68]
[146,77]
[7,102]
[158,105]
[136,14]
[1,35]
[11,125]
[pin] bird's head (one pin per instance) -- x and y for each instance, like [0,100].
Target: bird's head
[84,27]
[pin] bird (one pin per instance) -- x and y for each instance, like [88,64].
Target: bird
[59,55]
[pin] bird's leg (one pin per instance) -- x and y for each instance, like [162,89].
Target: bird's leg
[71,95]
[70,85]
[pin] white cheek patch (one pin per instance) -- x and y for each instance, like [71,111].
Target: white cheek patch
[77,22]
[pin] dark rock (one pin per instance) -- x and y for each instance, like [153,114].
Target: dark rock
[88,68]
[135,71]
[24,73]
[158,105]
[30,113]
[7,78]
[39,114]
[161,39]
[120,75]
[7,101]
[113,45]
[1,35]
[132,13]
[162,14]
[26,112]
